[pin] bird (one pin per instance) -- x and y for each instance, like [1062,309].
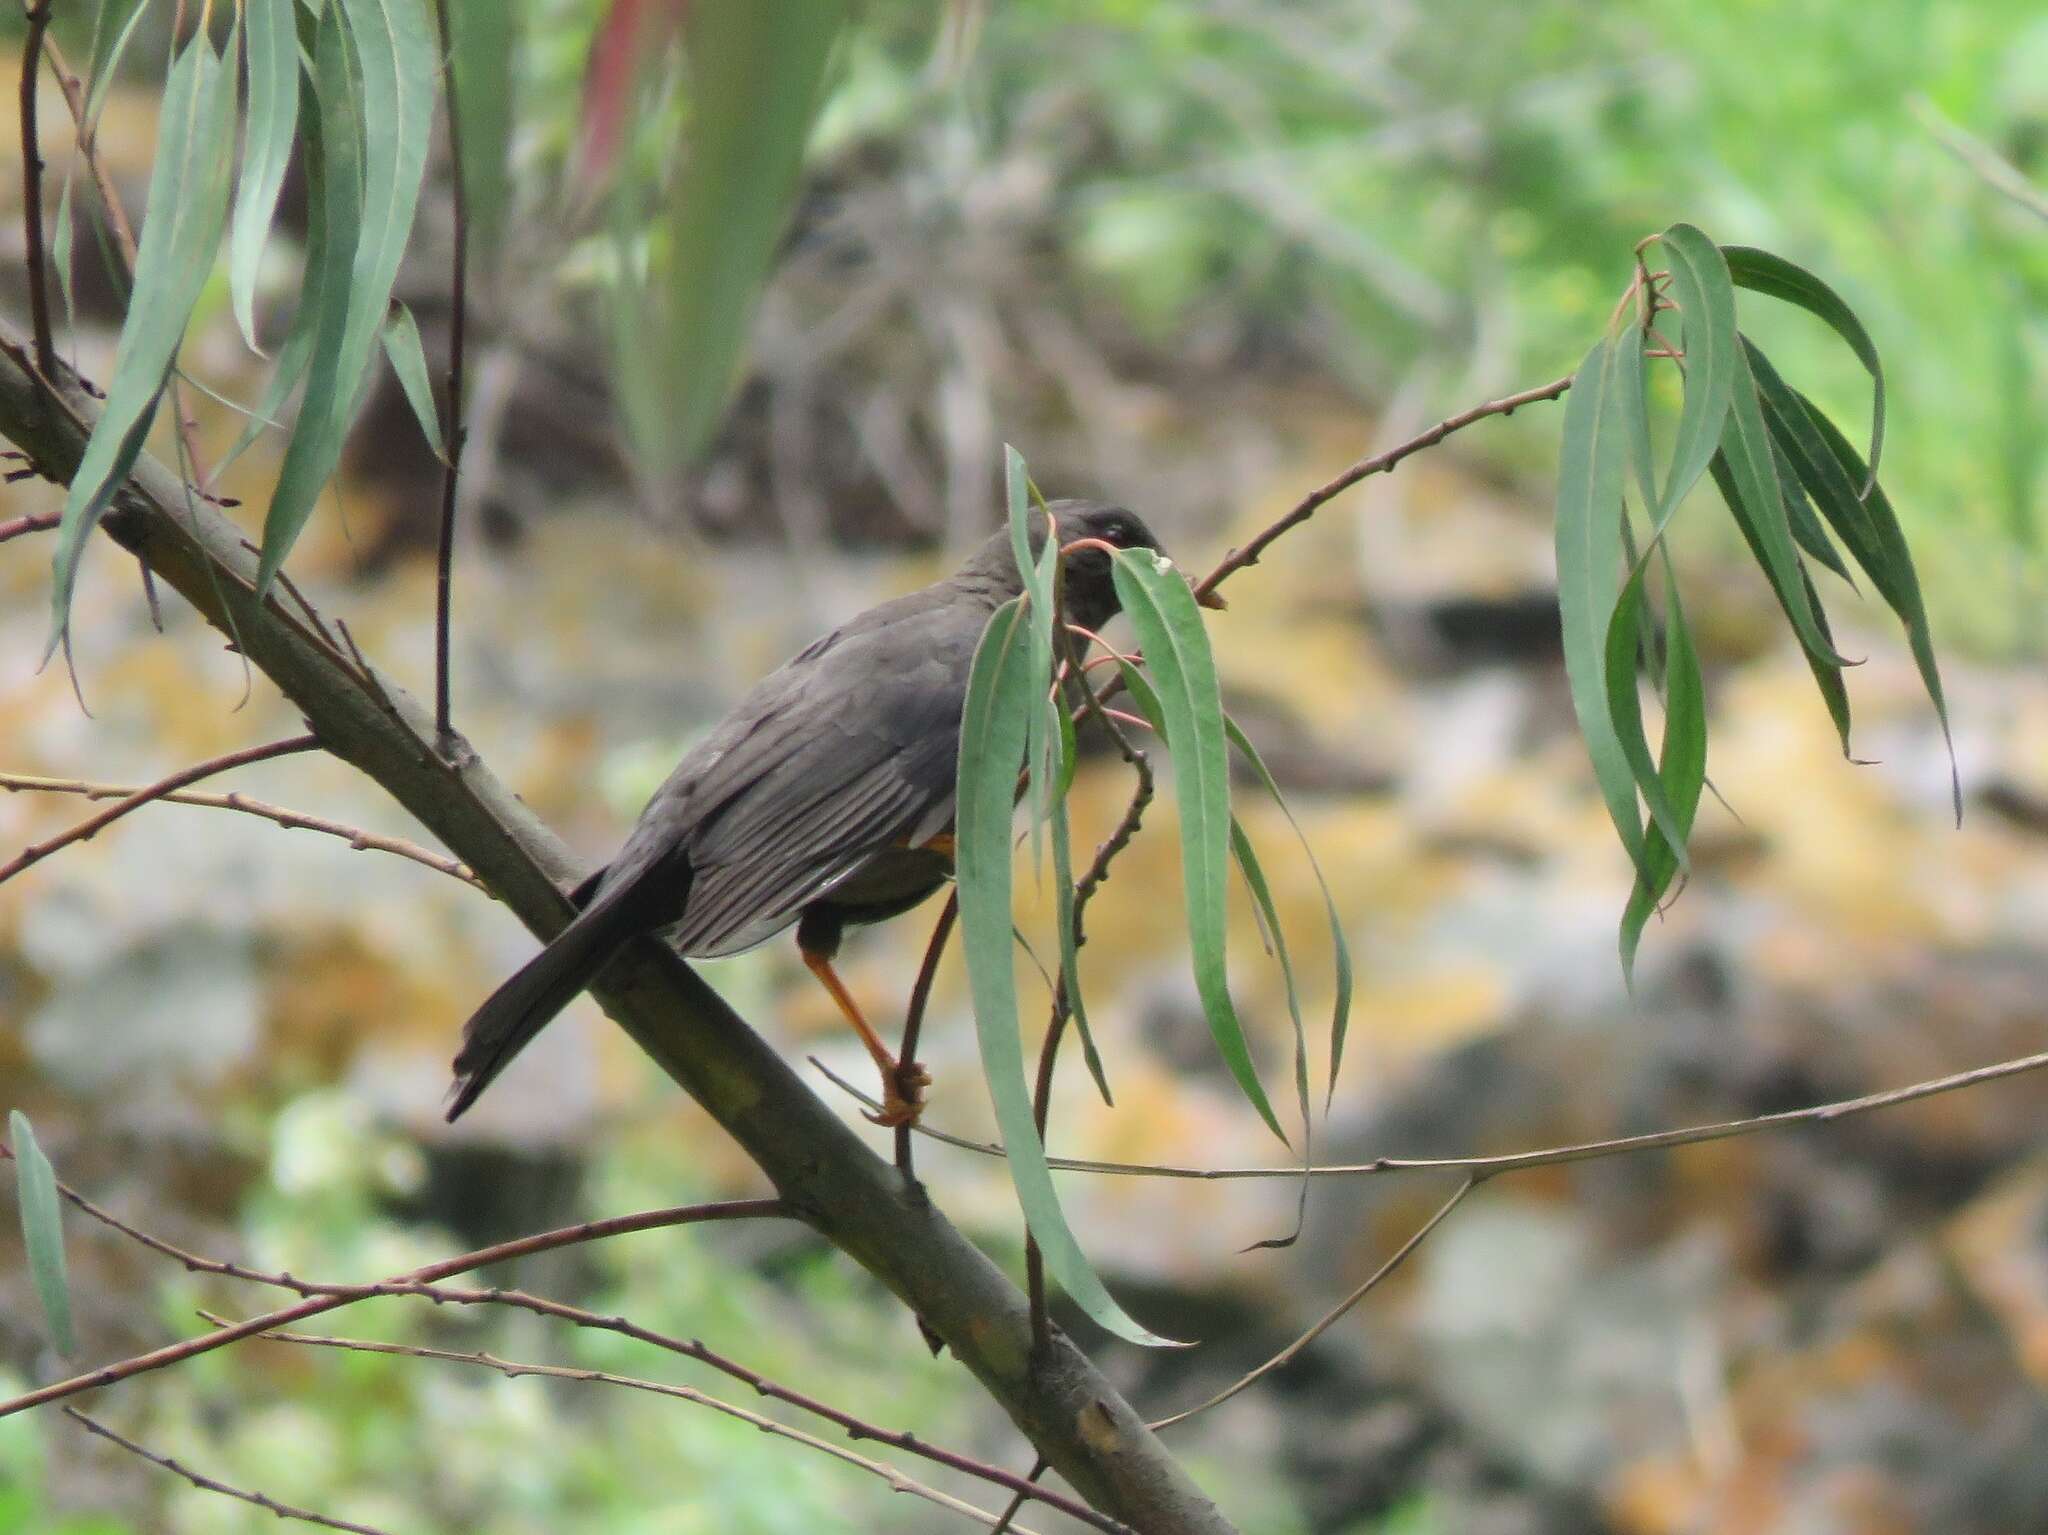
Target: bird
[822,799]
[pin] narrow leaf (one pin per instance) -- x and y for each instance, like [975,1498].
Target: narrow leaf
[1682,767]
[401,337]
[482,53]
[1070,947]
[1001,693]
[1701,288]
[1340,946]
[757,77]
[1762,272]
[1591,460]
[108,44]
[271,47]
[1625,708]
[1169,627]
[1746,473]
[42,1231]
[188,193]
[377,96]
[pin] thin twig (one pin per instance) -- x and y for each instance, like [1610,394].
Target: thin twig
[1401,1253]
[1986,163]
[913,1020]
[1038,1468]
[1551,1156]
[290,820]
[453,434]
[32,190]
[88,149]
[34,522]
[206,1483]
[514,1369]
[1378,463]
[36,852]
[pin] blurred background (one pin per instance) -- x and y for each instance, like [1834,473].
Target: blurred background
[1196,257]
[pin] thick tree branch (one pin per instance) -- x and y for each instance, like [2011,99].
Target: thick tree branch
[819,1165]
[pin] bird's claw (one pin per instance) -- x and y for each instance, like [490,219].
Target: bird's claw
[902,1096]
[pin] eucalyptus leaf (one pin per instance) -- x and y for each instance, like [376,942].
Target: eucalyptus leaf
[1682,768]
[1168,623]
[1705,296]
[1001,692]
[271,47]
[188,199]
[42,1231]
[1589,556]
[482,53]
[1762,272]
[377,107]
[401,338]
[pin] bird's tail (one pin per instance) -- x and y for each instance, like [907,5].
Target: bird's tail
[549,982]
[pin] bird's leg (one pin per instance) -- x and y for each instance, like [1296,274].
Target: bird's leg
[903,1082]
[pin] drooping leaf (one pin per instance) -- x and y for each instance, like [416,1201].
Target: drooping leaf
[377,95]
[1268,913]
[629,33]
[481,53]
[42,1231]
[756,80]
[1001,692]
[1706,302]
[1037,577]
[1827,674]
[1762,272]
[1168,623]
[188,198]
[1807,531]
[1592,457]
[1340,946]
[271,48]
[1682,767]
[401,337]
[1746,473]
[60,256]
[1625,709]
[1833,474]
[108,44]
[1070,948]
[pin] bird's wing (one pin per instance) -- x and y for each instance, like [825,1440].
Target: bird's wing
[845,751]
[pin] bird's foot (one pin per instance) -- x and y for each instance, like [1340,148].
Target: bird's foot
[902,1095]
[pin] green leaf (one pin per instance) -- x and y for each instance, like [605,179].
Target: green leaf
[1807,532]
[271,47]
[108,44]
[1070,947]
[1831,471]
[1682,767]
[42,1231]
[482,50]
[60,256]
[1625,708]
[757,77]
[188,196]
[1591,460]
[1705,297]
[1827,675]
[1340,947]
[1001,693]
[401,337]
[1037,577]
[1762,272]
[375,66]
[1746,473]
[1169,627]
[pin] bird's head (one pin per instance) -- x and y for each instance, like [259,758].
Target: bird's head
[1090,595]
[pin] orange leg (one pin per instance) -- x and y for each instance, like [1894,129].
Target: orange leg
[903,1084]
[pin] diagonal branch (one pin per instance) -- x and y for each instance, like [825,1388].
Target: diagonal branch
[1066,1406]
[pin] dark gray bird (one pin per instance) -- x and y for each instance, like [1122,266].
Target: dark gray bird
[824,798]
